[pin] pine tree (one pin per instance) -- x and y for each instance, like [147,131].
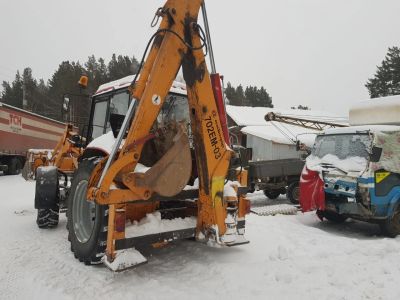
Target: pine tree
[386,80]
[12,94]
[30,86]
[251,96]
[96,70]
[6,93]
[64,81]
[240,95]
[121,66]
[230,93]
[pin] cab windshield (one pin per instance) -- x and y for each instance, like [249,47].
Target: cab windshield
[348,152]
[342,145]
[115,106]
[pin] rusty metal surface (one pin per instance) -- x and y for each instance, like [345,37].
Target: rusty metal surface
[172,172]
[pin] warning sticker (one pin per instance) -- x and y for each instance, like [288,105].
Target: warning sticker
[379,176]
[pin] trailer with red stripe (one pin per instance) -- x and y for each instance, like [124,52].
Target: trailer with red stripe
[21,130]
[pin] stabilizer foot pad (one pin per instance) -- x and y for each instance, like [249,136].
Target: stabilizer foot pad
[240,240]
[125,259]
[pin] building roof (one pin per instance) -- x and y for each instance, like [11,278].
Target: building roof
[282,133]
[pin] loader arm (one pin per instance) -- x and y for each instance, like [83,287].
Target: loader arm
[65,154]
[177,43]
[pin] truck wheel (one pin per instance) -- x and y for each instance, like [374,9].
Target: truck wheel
[331,216]
[293,192]
[391,227]
[272,194]
[14,166]
[87,221]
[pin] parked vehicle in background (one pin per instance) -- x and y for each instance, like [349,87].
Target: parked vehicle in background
[354,172]
[21,130]
[281,176]
[276,177]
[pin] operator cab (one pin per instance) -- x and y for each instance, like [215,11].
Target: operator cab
[111,101]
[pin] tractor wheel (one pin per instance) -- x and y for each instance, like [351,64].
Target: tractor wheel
[391,227]
[14,166]
[87,221]
[293,192]
[272,194]
[47,199]
[331,216]
[47,217]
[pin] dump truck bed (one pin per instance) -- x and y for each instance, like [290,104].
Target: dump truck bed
[276,168]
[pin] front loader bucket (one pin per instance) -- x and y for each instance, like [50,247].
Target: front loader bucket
[171,173]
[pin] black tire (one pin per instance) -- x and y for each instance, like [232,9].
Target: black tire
[331,216]
[14,166]
[391,227]
[293,192]
[47,199]
[91,249]
[47,217]
[272,194]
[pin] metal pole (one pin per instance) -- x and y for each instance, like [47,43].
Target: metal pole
[208,36]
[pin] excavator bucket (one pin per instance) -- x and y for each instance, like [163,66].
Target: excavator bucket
[171,173]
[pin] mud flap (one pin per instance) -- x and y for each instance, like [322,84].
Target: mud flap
[172,172]
[46,195]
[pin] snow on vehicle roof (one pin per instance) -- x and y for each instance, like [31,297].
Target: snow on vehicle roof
[274,133]
[362,128]
[384,110]
[177,87]
[254,116]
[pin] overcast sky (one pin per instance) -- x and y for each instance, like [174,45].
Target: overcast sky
[312,52]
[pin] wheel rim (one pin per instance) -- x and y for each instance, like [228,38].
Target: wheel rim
[83,213]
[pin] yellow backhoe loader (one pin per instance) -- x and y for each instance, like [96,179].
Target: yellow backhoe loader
[161,168]
[64,156]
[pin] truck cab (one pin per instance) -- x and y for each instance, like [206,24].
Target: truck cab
[354,172]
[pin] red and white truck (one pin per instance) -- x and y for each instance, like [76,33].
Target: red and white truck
[21,130]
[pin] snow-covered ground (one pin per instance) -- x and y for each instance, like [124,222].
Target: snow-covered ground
[289,257]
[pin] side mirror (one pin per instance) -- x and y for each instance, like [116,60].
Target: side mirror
[375,154]
[66,103]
